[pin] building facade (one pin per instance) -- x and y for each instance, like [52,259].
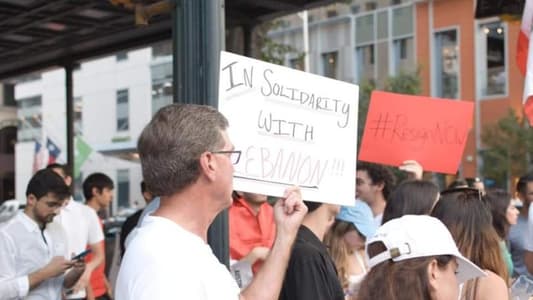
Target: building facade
[457,56]
[115,97]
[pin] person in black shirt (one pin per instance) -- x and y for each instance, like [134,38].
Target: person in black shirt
[311,273]
[131,221]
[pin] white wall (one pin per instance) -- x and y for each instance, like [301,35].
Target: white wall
[23,168]
[96,82]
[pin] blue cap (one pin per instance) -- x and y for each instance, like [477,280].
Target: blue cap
[360,216]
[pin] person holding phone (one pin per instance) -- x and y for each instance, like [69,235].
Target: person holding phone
[82,228]
[35,261]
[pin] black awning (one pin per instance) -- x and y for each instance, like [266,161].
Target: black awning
[37,34]
[492,8]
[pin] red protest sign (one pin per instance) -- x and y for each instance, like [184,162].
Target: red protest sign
[431,131]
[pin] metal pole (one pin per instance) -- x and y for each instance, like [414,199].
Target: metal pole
[305,31]
[70,119]
[247,31]
[198,37]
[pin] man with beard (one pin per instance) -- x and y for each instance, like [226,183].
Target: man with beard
[34,255]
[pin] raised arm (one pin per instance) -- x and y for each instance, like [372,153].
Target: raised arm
[288,213]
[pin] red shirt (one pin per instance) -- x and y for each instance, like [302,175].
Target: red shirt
[247,230]
[97,280]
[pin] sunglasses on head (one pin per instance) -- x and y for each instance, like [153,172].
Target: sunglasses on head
[467,191]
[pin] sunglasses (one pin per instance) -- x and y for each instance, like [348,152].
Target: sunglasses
[466,191]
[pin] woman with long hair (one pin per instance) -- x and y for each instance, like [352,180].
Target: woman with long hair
[346,244]
[415,257]
[469,220]
[411,197]
[504,214]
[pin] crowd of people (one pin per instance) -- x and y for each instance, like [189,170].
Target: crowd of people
[397,241]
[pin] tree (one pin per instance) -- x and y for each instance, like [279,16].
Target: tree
[509,148]
[270,50]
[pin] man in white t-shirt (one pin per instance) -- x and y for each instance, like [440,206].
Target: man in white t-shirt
[33,252]
[187,160]
[82,228]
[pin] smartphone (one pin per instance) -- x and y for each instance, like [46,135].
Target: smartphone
[82,255]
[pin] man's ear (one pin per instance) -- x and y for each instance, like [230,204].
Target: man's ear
[520,196]
[68,180]
[207,165]
[380,186]
[95,192]
[31,200]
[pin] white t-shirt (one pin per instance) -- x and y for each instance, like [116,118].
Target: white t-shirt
[378,219]
[165,261]
[82,227]
[24,249]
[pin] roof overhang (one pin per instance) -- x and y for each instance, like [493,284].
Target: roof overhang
[38,34]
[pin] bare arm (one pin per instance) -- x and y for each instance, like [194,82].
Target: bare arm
[97,259]
[528,260]
[492,287]
[289,213]
[74,274]
[257,253]
[413,168]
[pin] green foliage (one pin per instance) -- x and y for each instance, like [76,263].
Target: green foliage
[404,83]
[270,50]
[509,146]
[274,52]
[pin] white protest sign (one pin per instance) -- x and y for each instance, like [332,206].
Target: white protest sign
[293,128]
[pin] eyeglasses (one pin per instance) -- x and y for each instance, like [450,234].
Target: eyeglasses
[234,155]
[467,191]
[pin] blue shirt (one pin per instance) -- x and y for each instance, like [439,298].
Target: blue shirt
[517,236]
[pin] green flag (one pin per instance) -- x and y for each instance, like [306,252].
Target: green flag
[83,150]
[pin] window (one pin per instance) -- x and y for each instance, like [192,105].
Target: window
[331,13]
[297,63]
[404,60]
[365,62]
[121,56]
[329,64]
[9,94]
[123,121]
[163,49]
[402,21]
[395,2]
[446,64]
[30,117]
[355,8]
[123,188]
[161,95]
[371,6]
[491,59]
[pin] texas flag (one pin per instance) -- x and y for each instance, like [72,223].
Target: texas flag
[525,59]
[38,157]
[53,151]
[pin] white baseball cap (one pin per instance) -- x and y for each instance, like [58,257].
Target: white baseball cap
[420,236]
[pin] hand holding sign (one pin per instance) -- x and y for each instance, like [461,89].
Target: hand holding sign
[431,131]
